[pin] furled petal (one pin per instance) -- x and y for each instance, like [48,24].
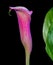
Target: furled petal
[24,18]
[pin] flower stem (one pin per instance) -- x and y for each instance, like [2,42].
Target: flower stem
[27,58]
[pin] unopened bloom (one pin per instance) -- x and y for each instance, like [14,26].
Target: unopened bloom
[24,18]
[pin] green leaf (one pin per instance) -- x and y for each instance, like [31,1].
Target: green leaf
[48,33]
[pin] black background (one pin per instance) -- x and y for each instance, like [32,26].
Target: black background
[12,51]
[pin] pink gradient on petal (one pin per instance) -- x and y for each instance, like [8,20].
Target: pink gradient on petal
[24,18]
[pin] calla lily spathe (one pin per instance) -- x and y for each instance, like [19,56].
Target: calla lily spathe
[24,19]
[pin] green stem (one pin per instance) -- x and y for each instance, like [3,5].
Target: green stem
[27,58]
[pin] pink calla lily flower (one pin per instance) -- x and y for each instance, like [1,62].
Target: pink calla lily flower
[24,18]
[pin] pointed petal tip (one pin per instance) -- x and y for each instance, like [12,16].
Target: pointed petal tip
[11,8]
[31,12]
